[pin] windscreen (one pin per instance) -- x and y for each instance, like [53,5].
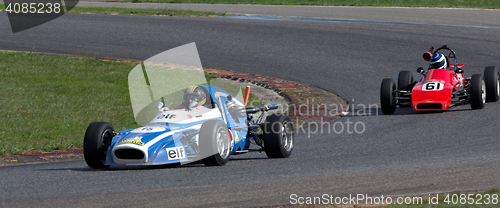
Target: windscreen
[165,77]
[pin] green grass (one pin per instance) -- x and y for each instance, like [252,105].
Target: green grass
[482,4]
[47,101]
[491,4]
[254,100]
[125,11]
[231,89]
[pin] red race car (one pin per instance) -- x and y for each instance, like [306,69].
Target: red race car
[442,84]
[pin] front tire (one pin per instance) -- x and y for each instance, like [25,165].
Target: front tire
[405,82]
[96,143]
[477,92]
[215,143]
[492,81]
[278,136]
[387,96]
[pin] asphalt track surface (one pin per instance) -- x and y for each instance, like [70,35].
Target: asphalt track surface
[402,154]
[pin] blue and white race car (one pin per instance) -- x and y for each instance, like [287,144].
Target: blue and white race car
[209,125]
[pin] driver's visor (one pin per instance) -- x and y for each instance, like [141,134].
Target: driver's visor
[438,65]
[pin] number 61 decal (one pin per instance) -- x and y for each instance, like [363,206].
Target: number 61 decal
[432,86]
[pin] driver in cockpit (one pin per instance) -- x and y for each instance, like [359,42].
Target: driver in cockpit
[194,96]
[438,61]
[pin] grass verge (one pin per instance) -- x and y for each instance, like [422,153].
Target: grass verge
[486,4]
[49,100]
[126,11]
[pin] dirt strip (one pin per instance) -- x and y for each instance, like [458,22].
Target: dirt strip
[307,104]
[36,157]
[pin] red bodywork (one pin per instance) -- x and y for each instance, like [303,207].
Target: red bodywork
[434,90]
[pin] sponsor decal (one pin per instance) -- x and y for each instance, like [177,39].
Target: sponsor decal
[236,137]
[148,129]
[176,153]
[435,80]
[166,116]
[189,116]
[135,140]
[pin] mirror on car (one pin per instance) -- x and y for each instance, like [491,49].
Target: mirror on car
[159,105]
[427,56]
[420,70]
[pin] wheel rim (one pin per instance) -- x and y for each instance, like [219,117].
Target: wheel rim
[286,136]
[106,142]
[483,91]
[222,143]
[394,95]
[498,85]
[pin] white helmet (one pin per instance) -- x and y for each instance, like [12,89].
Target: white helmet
[438,61]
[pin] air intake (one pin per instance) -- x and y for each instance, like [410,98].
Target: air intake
[429,106]
[129,154]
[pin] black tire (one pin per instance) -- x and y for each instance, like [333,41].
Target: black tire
[387,99]
[278,136]
[405,80]
[477,92]
[96,143]
[213,134]
[492,82]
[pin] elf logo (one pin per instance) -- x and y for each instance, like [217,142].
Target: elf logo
[176,153]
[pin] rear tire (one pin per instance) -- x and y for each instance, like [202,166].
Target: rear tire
[387,98]
[492,81]
[96,143]
[215,143]
[278,136]
[477,92]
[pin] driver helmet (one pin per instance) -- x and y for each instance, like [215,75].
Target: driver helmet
[194,95]
[438,61]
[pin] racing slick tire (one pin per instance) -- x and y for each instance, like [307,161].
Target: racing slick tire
[387,98]
[492,82]
[215,143]
[96,143]
[405,82]
[477,92]
[278,136]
